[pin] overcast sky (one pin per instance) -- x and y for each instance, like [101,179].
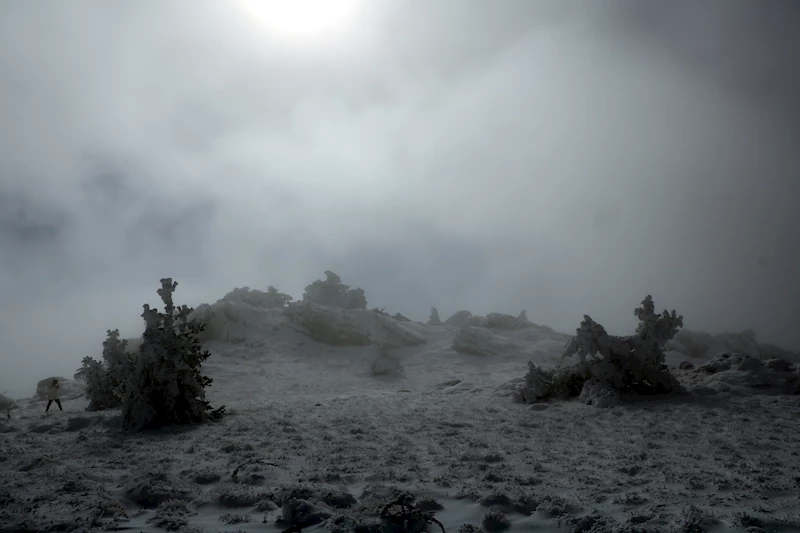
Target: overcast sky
[559,157]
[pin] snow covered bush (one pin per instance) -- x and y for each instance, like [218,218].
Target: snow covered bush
[334,293]
[434,319]
[610,365]
[523,316]
[381,362]
[104,378]
[165,385]
[272,299]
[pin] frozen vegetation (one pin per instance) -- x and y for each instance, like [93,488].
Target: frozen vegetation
[339,418]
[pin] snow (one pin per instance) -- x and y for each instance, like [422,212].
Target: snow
[331,433]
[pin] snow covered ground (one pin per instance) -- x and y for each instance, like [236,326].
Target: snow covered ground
[313,423]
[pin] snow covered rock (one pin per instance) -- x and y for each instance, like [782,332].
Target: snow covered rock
[746,373]
[6,405]
[460,318]
[697,344]
[477,321]
[233,320]
[479,341]
[70,389]
[354,327]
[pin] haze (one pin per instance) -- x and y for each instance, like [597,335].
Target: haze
[559,157]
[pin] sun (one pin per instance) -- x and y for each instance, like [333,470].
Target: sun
[301,17]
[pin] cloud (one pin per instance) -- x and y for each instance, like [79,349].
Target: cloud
[559,158]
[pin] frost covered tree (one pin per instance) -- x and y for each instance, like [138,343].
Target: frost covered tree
[275,298]
[610,365]
[104,379]
[356,299]
[334,293]
[166,386]
[434,319]
[523,316]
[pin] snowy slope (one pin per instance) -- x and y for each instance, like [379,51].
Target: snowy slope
[444,427]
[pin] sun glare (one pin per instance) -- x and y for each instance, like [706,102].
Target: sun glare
[301,17]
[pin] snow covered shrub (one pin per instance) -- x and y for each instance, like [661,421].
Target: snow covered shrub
[272,299]
[495,522]
[610,365]
[104,379]
[171,515]
[381,362]
[334,293]
[165,385]
[523,316]
[434,319]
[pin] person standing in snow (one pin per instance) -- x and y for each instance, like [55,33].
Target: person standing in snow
[54,395]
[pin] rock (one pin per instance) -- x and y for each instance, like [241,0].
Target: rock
[474,340]
[686,365]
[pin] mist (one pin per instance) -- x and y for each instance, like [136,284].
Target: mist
[563,159]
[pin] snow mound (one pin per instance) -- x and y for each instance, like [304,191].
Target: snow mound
[234,321]
[350,327]
[475,340]
[70,389]
[747,374]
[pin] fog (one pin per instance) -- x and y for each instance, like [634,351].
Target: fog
[566,158]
